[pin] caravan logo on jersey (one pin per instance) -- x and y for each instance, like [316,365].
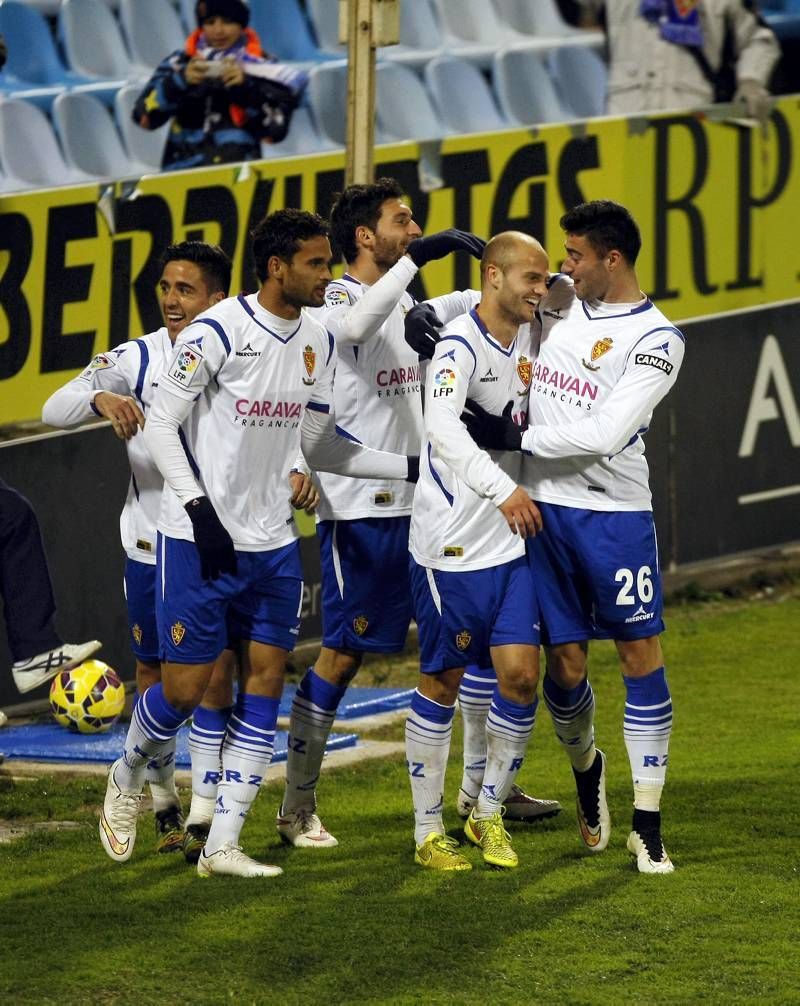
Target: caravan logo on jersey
[568,388]
[265,413]
[310,361]
[399,381]
[185,367]
[600,348]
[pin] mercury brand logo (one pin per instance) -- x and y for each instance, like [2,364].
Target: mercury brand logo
[488,377]
[248,351]
[640,615]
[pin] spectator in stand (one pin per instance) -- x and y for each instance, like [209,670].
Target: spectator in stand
[222,92]
[676,54]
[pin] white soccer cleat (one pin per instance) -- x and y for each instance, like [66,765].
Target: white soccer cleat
[29,674]
[594,821]
[303,829]
[230,861]
[118,819]
[518,806]
[3,718]
[651,856]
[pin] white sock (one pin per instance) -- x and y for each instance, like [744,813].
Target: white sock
[313,712]
[150,741]
[646,729]
[572,711]
[474,700]
[428,729]
[160,776]
[508,729]
[246,754]
[205,747]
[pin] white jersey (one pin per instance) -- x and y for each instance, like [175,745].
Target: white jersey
[132,369]
[455,520]
[241,387]
[599,372]
[377,393]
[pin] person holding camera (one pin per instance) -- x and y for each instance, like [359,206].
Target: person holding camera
[224,95]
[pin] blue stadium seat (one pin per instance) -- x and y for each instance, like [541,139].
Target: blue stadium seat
[325,19]
[29,149]
[152,30]
[90,139]
[581,79]
[143,145]
[540,18]
[421,38]
[93,42]
[473,31]
[327,97]
[302,139]
[524,89]
[284,31]
[403,108]
[462,96]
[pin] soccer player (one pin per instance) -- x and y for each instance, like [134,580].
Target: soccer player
[249,379]
[120,385]
[607,357]
[363,527]
[474,598]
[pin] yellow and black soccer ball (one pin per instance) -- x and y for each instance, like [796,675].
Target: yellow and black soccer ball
[88,699]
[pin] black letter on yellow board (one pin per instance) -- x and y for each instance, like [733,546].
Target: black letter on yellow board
[16,237]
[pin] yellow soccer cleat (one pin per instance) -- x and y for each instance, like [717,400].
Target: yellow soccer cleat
[440,852]
[493,840]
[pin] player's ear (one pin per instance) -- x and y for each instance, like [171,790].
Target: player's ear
[275,266]
[216,297]
[364,236]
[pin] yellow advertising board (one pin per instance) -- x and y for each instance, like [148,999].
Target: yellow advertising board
[717,202]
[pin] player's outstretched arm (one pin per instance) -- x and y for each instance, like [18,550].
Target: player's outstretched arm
[356,323]
[436,246]
[424,321]
[326,451]
[75,402]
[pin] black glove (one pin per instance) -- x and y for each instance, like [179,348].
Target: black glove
[424,250]
[422,324]
[498,433]
[212,540]
[413,468]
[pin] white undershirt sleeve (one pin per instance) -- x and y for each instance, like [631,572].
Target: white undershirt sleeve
[326,451]
[356,323]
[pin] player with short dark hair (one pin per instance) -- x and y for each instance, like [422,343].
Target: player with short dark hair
[363,525]
[249,380]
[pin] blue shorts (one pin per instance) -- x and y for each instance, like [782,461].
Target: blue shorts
[140,594]
[461,615]
[596,574]
[198,619]
[366,597]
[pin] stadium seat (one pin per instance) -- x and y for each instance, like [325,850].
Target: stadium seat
[143,145]
[29,149]
[90,139]
[152,30]
[524,89]
[284,31]
[403,109]
[581,79]
[540,18]
[302,138]
[93,42]
[473,31]
[421,38]
[327,97]
[325,19]
[462,96]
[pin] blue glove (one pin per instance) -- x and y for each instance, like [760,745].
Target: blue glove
[497,433]
[421,325]
[422,250]
[215,545]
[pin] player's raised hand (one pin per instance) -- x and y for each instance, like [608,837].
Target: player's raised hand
[521,514]
[215,545]
[422,326]
[422,250]
[497,433]
[305,495]
[123,411]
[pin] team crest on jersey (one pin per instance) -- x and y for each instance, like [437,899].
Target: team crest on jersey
[100,362]
[178,631]
[360,624]
[185,366]
[524,370]
[601,347]
[685,7]
[309,359]
[136,632]
[463,639]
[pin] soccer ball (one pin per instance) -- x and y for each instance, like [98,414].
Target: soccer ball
[88,699]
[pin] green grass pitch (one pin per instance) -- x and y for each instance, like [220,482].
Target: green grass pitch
[362,924]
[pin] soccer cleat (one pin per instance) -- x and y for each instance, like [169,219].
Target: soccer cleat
[29,674]
[303,829]
[194,838]
[230,861]
[118,819]
[644,842]
[493,840]
[440,852]
[3,718]
[518,806]
[169,829]
[594,822]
